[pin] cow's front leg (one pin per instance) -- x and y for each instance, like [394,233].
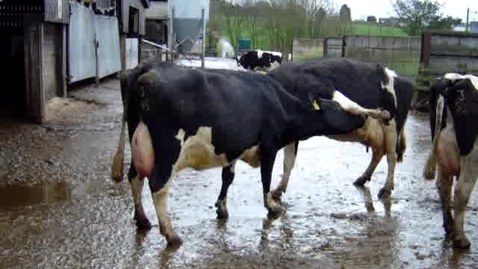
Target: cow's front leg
[391,150]
[227,178]
[136,183]
[267,163]
[290,153]
[159,185]
[464,187]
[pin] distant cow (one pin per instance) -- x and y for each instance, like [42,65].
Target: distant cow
[181,117]
[453,102]
[259,59]
[355,85]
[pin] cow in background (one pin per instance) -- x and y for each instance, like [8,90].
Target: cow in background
[264,60]
[453,103]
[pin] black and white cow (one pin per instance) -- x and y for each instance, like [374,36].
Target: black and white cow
[181,117]
[453,103]
[259,59]
[355,85]
[360,88]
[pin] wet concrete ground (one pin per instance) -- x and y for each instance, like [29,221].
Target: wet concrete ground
[78,218]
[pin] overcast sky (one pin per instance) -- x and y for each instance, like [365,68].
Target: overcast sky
[383,8]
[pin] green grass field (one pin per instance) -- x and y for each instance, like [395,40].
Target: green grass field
[370,29]
[356,28]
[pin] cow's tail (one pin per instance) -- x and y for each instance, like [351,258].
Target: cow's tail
[402,145]
[437,107]
[117,166]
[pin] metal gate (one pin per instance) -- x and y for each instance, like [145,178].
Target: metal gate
[85,31]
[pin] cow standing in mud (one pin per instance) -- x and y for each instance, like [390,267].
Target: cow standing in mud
[181,117]
[359,88]
[453,103]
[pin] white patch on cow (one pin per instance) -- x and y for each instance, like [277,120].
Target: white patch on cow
[275,53]
[389,86]
[198,152]
[456,76]
[259,53]
[351,106]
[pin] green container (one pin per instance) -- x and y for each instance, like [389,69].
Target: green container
[244,43]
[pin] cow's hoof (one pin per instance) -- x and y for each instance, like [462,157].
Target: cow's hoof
[174,241]
[461,242]
[384,193]
[142,222]
[221,210]
[361,181]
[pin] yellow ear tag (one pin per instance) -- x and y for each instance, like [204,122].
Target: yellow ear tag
[315,105]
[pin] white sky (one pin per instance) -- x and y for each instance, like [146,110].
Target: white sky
[383,8]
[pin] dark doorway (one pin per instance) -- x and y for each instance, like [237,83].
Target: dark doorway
[12,73]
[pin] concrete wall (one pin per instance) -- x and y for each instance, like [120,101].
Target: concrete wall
[51,60]
[307,48]
[399,53]
[443,53]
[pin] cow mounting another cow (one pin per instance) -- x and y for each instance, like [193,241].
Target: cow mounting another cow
[179,117]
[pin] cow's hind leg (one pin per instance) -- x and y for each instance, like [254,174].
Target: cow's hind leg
[390,147]
[444,185]
[227,178]
[267,163]
[377,154]
[464,187]
[159,186]
[136,183]
[290,153]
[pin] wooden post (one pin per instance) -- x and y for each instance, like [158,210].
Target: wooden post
[63,60]
[35,96]
[172,37]
[97,62]
[123,51]
[203,43]
[140,38]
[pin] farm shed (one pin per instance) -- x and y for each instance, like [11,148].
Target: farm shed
[34,55]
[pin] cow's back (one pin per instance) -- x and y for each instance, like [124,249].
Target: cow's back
[237,106]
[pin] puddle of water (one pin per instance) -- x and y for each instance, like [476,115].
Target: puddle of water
[24,195]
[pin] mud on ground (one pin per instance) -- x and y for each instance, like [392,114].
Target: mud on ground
[59,208]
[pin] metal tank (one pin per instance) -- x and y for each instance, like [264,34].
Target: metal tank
[188,19]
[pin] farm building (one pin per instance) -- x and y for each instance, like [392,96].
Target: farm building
[51,44]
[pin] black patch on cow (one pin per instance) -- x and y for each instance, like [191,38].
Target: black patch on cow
[359,81]
[462,100]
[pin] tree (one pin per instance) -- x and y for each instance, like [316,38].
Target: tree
[416,14]
[371,19]
[345,14]
[443,23]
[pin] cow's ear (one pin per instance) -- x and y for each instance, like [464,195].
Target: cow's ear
[314,101]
